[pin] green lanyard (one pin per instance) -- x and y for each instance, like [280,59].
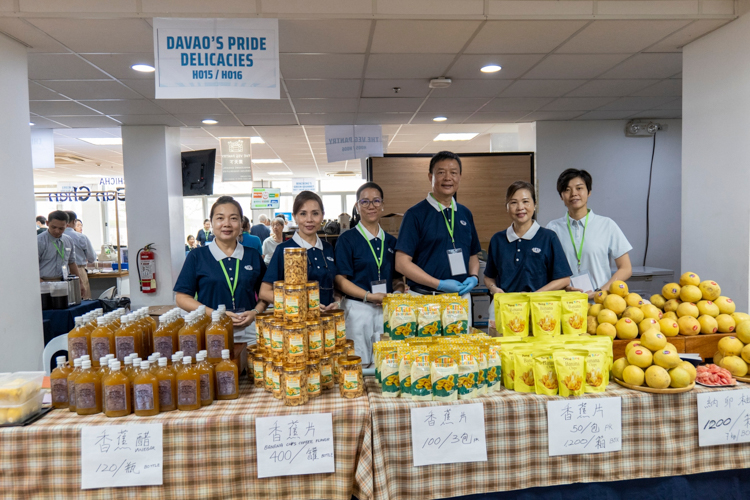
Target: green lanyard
[60,251]
[232,288]
[578,251]
[453,218]
[206,234]
[379,261]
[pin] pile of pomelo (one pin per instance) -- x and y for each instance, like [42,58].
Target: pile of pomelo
[734,352]
[689,307]
[654,362]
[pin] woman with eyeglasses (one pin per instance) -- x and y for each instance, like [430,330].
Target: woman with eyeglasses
[366,262]
[321,266]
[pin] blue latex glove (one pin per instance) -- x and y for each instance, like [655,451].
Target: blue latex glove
[468,285]
[450,286]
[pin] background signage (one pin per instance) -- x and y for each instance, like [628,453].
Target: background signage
[266,198]
[236,156]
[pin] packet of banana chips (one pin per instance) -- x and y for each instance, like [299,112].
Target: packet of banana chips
[406,315]
[429,323]
[545,315]
[575,308]
[512,314]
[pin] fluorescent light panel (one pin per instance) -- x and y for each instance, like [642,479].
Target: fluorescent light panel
[456,137]
[103,141]
[285,172]
[267,160]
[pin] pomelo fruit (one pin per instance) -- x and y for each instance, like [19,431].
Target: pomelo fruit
[739,317]
[670,315]
[634,313]
[631,344]
[615,303]
[669,327]
[689,279]
[730,346]
[736,365]
[595,309]
[634,300]
[725,304]
[666,358]
[651,311]
[591,325]
[717,358]
[742,331]
[745,353]
[689,325]
[633,375]
[680,378]
[708,324]
[648,324]
[690,369]
[619,288]
[606,316]
[606,330]
[687,309]
[710,290]
[640,356]
[670,291]
[671,305]
[708,307]
[658,301]
[690,293]
[726,323]
[657,377]
[653,340]
[618,366]
[626,329]
[600,296]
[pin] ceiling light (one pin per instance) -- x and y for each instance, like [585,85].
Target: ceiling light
[32,124]
[286,172]
[103,141]
[455,137]
[257,140]
[439,119]
[143,68]
[491,68]
[268,160]
[209,121]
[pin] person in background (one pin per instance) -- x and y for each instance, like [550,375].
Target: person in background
[277,236]
[248,239]
[525,257]
[588,240]
[262,230]
[56,250]
[205,235]
[41,224]
[78,226]
[321,265]
[365,259]
[85,253]
[190,245]
[438,246]
[225,272]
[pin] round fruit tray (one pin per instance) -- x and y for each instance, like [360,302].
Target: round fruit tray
[644,388]
[743,379]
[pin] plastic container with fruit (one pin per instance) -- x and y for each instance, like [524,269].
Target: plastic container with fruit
[13,414]
[18,388]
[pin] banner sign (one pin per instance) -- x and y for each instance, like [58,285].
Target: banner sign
[264,198]
[216,58]
[236,155]
[303,184]
[349,142]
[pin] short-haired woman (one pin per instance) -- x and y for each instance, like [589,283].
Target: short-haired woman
[277,237]
[525,257]
[321,264]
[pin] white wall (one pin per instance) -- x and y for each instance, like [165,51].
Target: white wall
[20,301]
[716,151]
[619,166]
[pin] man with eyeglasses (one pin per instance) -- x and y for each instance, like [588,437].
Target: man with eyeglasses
[365,260]
[438,245]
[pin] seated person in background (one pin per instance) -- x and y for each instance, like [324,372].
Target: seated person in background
[247,239]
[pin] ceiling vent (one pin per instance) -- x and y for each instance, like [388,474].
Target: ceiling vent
[440,83]
[343,173]
[68,159]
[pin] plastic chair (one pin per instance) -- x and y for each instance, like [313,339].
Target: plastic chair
[109,293]
[57,344]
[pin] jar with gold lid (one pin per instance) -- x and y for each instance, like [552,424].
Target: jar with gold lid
[265,333]
[277,338]
[328,323]
[313,378]
[294,384]
[295,304]
[278,370]
[295,266]
[338,353]
[259,363]
[350,347]
[268,373]
[326,372]
[338,315]
[313,299]
[314,339]
[352,382]
[278,299]
[295,343]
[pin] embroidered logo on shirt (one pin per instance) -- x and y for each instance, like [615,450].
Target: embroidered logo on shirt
[390,250]
[463,222]
[536,250]
[330,258]
[248,268]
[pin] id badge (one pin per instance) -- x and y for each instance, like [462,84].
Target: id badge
[65,272]
[379,286]
[456,260]
[582,281]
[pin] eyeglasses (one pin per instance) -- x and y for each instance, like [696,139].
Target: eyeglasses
[366,203]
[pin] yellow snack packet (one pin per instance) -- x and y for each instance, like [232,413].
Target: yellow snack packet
[508,364]
[389,371]
[482,373]
[468,371]
[494,368]
[545,375]
[575,307]
[524,365]
[512,314]
[456,318]
[403,320]
[545,315]
[421,383]
[597,370]
[428,320]
[404,372]
[444,374]
[570,365]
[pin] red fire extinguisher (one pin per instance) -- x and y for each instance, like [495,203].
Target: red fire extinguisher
[147,268]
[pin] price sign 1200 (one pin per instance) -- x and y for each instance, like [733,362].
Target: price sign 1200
[723,417]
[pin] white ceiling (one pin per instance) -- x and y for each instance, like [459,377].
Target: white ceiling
[574,60]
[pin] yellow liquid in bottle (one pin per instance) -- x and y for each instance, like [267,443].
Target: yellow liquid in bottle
[189,339]
[227,380]
[217,339]
[127,341]
[102,343]
[145,393]
[59,386]
[208,381]
[116,389]
[79,342]
[188,388]
[167,379]
[164,341]
[72,388]
[88,392]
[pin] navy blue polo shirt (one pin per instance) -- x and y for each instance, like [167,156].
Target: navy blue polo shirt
[321,266]
[425,238]
[250,241]
[528,263]
[355,261]
[202,274]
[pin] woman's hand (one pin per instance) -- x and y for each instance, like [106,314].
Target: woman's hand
[495,289]
[242,320]
[590,293]
[331,306]
[375,298]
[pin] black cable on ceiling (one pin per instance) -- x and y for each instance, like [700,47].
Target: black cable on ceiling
[648,200]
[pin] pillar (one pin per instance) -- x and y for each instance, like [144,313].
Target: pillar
[153,192]
[715,153]
[20,301]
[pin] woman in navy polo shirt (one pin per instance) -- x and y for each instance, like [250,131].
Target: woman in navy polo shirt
[525,257]
[226,273]
[321,265]
[366,258]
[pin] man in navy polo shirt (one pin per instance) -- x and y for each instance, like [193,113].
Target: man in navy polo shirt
[438,246]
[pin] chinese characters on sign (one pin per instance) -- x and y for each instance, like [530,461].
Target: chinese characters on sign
[121,455]
[236,156]
[723,417]
[581,426]
[448,434]
[294,445]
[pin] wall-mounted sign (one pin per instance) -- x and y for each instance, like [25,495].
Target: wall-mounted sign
[349,142]
[106,182]
[264,198]
[215,58]
[83,193]
[236,154]
[303,184]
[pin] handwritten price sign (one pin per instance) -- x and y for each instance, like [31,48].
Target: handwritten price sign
[121,455]
[448,434]
[723,417]
[294,445]
[580,426]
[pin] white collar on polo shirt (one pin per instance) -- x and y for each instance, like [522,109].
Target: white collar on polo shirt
[303,244]
[369,235]
[432,201]
[238,253]
[512,236]
[582,220]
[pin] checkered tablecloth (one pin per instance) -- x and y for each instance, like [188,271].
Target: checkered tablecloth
[208,453]
[660,438]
